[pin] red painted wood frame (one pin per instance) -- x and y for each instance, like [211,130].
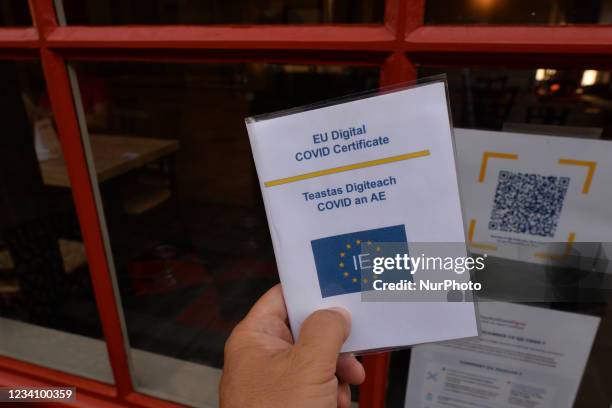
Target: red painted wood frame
[397,47]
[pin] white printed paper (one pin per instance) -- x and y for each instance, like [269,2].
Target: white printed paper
[524,357]
[338,178]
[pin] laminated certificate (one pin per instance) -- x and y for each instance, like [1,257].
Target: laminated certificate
[345,183]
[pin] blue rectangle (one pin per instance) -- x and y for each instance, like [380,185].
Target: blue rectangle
[344,262]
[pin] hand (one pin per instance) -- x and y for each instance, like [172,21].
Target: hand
[264,367]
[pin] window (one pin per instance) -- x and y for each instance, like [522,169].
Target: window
[504,99]
[97,12]
[48,313]
[553,12]
[181,201]
[156,188]
[14,13]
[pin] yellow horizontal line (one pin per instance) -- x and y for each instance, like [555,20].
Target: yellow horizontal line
[348,167]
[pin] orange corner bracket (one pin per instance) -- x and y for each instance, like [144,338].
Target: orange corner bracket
[591,165]
[563,256]
[479,245]
[493,155]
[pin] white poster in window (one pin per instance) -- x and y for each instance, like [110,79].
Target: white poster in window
[540,199]
[525,357]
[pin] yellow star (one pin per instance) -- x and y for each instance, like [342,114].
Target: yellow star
[365,280]
[369,242]
[358,242]
[377,249]
[354,280]
[341,264]
[346,274]
[342,254]
[348,246]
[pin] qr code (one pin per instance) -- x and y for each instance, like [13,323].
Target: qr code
[528,203]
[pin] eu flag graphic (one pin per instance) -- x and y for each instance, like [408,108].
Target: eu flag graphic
[344,262]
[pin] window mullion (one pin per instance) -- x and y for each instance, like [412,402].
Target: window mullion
[62,105]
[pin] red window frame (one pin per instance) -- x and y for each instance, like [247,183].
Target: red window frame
[398,46]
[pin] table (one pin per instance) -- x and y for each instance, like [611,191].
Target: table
[113,155]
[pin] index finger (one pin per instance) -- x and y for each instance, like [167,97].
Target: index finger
[269,315]
[272,303]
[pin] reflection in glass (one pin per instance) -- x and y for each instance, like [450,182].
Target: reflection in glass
[14,13]
[46,296]
[579,101]
[553,12]
[117,12]
[186,222]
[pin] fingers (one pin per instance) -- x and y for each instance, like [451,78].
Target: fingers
[344,395]
[269,315]
[349,370]
[272,303]
[323,333]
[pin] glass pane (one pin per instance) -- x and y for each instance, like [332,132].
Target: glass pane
[186,222]
[48,314]
[117,12]
[534,156]
[553,12]
[14,13]
[499,98]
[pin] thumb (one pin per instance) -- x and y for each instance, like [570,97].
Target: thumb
[323,333]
